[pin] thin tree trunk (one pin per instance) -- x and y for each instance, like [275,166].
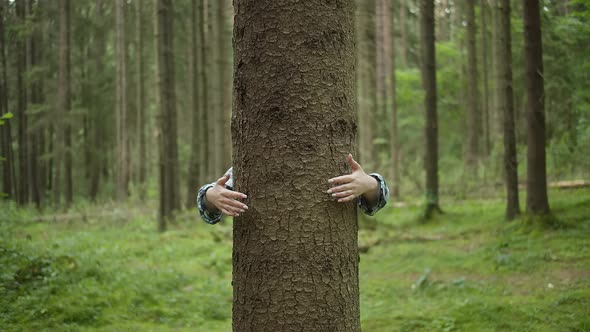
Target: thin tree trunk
[505,103]
[403,33]
[98,110]
[485,68]
[8,176]
[141,112]
[295,258]
[429,84]
[204,128]
[195,158]
[368,115]
[63,100]
[473,109]
[121,93]
[21,108]
[35,97]
[395,171]
[537,201]
[164,36]
[224,85]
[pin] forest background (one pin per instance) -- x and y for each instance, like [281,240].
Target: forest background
[108,106]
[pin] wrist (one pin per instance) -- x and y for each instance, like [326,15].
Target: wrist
[372,184]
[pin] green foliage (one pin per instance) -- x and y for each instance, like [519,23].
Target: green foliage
[467,270]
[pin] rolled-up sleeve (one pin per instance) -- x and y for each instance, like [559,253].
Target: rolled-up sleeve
[381,201]
[208,217]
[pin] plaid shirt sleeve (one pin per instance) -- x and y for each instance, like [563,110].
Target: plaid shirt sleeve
[209,218]
[383,197]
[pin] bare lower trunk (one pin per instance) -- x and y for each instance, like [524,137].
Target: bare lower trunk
[536,201]
[505,104]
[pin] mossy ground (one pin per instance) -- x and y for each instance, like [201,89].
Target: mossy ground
[467,270]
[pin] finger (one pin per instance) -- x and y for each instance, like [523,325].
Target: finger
[222,180]
[234,205]
[226,212]
[341,188]
[341,179]
[343,193]
[233,194]
[354,166]
[346,199]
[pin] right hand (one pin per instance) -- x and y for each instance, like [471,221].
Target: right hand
[225,200]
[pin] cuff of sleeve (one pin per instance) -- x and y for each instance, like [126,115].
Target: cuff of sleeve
[209,218]
[381,201]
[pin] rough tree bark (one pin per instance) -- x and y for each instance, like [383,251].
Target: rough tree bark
[537,201]
[164,27]
[295,259]
[505,103]
[429,84]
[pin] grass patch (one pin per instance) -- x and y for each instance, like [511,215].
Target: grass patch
[466,270]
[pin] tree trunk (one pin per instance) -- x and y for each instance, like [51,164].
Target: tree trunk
[98,115]
[204,128]
[63,103]
[35,98]
[536,198]
[368,112]
[164,36]
[8,176]
[394,144]
[485,68]
[429,84]
[195,158]
[403,33]
[295,258]
[21,107]
[224,84]
[474,110]
[121,93]
[141,112]
[505,104]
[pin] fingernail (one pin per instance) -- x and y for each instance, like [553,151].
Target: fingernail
[329,191]
[245,207]
[333,195]
[237,215]
[330,181]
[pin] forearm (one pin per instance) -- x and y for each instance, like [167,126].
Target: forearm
[373,200]
[371,195]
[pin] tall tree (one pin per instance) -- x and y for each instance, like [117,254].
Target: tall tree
[121,109]
[403,28]
[369,61]
[473,109]
[164,36]
[63,106]
[485,110]
[295,259]
[224,86]
[6,153]
[141,112]
[195,159]
[429,84]
[537,201]
[97,109]
[21,105]
[68,164]
[505,104]
[204,128]
[35,95]
[394,142]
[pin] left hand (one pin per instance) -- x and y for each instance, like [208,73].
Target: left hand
[358,183]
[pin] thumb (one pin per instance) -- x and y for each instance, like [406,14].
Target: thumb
[354,166]
[222,180]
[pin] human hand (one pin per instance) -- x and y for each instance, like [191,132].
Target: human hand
[351,186]
[225,200]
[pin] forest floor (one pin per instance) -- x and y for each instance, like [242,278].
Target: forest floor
[468,270]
